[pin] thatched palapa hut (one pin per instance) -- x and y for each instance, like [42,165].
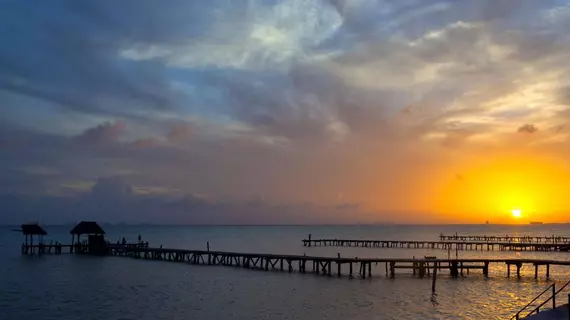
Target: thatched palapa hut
[32,230]
[96,240]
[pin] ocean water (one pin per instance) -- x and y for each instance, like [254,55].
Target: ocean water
[84,287]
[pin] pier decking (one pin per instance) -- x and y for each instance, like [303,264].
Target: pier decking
[444,245]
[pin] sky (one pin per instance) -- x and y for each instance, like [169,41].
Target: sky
[284,112]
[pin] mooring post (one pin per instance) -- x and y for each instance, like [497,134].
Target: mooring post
[554,296]
[208,246]
[392,269]
[535,271]
[422,270]
[486,269]
[434,277]
[350,271]
[569,306]
[547,271]
[453,269]
[508,270]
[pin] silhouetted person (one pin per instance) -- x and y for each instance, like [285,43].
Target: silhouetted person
[124,241]
[139,238]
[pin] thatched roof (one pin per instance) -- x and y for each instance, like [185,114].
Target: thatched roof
[87,227]
[33,229]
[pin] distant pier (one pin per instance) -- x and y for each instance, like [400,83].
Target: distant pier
[443,245]
[507,238]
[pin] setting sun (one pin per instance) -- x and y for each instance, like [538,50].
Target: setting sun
[516,213]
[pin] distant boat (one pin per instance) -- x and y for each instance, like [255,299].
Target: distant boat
[536,222]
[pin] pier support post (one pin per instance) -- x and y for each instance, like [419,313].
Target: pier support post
[369,269]
[350,271]
[392,269]
[453,270]
[548,271]
[508,270]
[434,277]
[536,271]
[486,269]
[422,270]
[554,296]
[309,239]
[338,268]
[518,269]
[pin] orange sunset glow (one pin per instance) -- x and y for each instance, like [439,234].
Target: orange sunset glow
[509,190]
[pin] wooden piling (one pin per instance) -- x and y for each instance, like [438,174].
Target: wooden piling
[434,277]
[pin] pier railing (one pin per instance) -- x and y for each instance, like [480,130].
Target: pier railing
[551,288]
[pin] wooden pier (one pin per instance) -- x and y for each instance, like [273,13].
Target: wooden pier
[96,245]
[443,245]
[507,238]
[58,248]
[330,265]
[310,264]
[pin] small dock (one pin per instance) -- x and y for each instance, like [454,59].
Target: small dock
[507,238]
[442,245]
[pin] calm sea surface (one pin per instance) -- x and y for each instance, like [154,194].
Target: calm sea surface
[83,287]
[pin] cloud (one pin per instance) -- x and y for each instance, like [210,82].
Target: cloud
[102,134]
[528,128]
[146,143]
[258,36]
[112,200]
[180,132]
[76,68]
[111,188]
